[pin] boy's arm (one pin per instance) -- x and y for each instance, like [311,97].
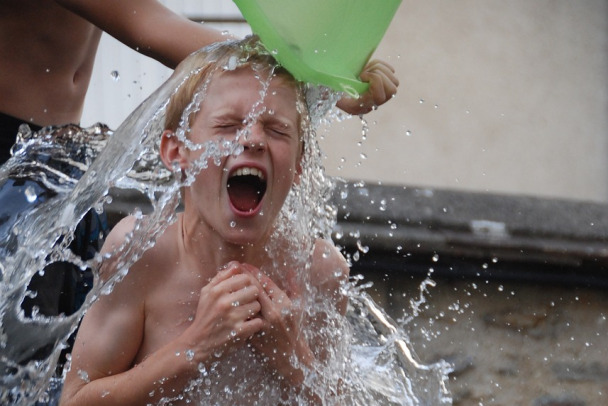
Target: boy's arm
[107,343]
[103,369]
[147,26]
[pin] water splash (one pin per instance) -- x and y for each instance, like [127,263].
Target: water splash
[371,360]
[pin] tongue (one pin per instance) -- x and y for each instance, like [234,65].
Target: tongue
[243,195]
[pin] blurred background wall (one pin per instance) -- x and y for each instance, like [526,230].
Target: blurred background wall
[508,97]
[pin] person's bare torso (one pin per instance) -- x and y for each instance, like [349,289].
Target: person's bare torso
[46,60]
[170,284]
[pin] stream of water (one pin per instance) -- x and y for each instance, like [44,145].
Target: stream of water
[74,169]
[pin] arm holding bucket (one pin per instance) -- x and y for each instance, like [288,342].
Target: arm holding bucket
[147,26]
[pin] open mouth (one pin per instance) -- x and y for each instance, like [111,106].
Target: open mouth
[246,188]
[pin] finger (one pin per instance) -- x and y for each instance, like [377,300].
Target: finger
[376,64]
[247,294]
[376,89]
[271,288]
[229,270]
[274,301]
[250,310]
[236,282]
[248,328]
[382,88]
[380,71]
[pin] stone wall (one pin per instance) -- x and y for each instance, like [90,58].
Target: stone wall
[510,343]
[514,287]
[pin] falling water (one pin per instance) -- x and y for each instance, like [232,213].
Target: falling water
[372,358]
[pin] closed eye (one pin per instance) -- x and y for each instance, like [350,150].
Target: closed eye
[280,131]
[228,128]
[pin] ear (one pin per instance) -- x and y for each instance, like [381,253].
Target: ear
[172,150]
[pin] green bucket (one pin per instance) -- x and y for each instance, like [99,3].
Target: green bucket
[325,42]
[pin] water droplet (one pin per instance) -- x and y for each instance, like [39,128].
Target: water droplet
[382,205]
[30,194]
[83,375]
[115,75]
[363,248]
[232,224]
[232,63]
[189,355]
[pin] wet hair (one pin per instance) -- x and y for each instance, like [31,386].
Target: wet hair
[229,55]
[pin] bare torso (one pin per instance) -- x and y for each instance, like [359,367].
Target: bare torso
[168,282]
[46,60]
[173,302]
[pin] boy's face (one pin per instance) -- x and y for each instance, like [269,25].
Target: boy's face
[241,198]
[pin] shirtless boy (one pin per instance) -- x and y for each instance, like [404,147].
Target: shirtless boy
[207,301]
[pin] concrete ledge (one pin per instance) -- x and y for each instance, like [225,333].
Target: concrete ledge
[460,234]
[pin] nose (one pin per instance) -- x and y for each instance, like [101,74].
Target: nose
[254,139]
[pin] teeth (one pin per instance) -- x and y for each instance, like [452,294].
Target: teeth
[249,171]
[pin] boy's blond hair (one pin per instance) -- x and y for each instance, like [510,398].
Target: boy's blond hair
[247,52]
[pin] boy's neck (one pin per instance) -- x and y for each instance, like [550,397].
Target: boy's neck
[205,246]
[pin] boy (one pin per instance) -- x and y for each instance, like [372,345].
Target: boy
[210,314]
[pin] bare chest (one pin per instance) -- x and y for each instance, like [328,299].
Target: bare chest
[170,308]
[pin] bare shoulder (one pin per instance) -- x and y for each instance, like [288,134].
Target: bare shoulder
[118,235]
[123,239]
[329,267]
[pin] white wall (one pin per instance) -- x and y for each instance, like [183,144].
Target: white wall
[497,96]
[515,100]
[111,100]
